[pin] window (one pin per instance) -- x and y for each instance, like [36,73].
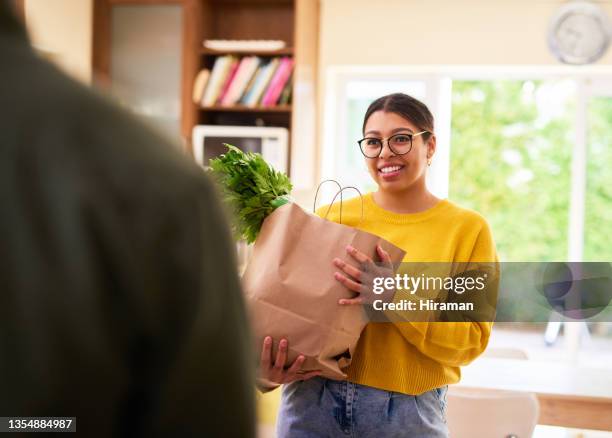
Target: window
[511,148]
[528,148]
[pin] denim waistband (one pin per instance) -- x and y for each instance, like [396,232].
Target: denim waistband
[324,407]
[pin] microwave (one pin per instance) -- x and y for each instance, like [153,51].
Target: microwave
[271,142]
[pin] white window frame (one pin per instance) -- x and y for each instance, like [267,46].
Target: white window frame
[592,81]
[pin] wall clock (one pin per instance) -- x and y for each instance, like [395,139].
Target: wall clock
[579,33]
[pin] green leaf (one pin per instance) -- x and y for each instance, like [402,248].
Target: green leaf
[250,187]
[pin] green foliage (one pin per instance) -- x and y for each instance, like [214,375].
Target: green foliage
[510,160]
[500,129]
[250,187]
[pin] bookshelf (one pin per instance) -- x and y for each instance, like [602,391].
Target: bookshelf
[251,19]
[293,21]
[245,82]
[248,109]
[281,52]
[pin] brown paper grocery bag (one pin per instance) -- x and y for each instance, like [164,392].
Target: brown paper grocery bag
[291,291]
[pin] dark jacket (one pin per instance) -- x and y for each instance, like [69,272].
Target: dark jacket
[119,300]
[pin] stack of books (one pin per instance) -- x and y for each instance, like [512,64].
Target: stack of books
[250,81]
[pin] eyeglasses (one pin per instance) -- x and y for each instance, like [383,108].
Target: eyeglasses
[400,144]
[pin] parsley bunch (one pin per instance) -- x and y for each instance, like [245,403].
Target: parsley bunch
[250,187]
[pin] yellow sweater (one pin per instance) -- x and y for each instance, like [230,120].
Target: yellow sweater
[414,357]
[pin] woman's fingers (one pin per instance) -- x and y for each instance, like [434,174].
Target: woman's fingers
[349,269]
[363,259]
[277,373]
[266,353]
[358,280]
[297,365]
[384,256]
[281,355]
[351,301]
[347,282]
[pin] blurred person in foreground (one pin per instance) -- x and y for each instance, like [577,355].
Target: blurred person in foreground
[120,302]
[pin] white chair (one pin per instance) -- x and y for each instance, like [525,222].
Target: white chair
[491,414]
[505,353]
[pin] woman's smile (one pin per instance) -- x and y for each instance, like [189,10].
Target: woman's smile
[390,171]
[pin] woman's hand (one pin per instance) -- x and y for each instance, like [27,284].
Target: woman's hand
[361,279]
[275,372]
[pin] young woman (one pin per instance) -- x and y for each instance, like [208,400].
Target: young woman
[398,377]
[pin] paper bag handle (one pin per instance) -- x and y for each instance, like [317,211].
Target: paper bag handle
[340,193]
[314,204]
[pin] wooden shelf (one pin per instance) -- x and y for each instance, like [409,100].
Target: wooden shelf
[248,109]
[287,51]
[257,2]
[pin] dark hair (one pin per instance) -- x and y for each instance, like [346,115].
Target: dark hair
[406,106]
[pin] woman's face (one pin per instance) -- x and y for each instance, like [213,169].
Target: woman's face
[396,173]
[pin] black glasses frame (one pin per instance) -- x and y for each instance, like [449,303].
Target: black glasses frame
[388,140]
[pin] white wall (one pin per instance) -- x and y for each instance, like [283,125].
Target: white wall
[63,30]
[433,33]
[438,31]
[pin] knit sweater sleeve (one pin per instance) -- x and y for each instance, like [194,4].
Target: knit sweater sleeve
[455,343]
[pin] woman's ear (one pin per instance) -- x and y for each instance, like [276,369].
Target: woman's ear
[431,146]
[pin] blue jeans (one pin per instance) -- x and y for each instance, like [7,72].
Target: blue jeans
[320,407]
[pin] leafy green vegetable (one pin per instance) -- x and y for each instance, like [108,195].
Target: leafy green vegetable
[250,187]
